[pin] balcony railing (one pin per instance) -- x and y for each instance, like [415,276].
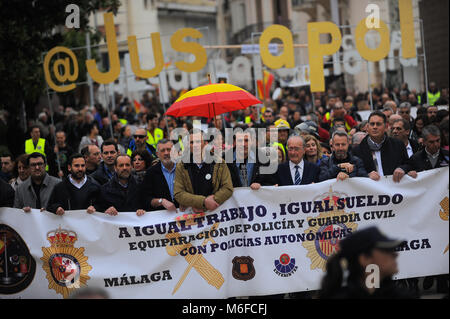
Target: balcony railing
[246,33]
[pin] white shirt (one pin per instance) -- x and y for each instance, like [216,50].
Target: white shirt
[409,149]
[380,165]
[80,184]
[300,169]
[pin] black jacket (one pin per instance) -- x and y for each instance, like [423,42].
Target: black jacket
[414,145]
[123,199]
[67,196]
[420,162]
[153,186]
[6,194]
[100,174]
[310,174]
[329,168]
[393,155]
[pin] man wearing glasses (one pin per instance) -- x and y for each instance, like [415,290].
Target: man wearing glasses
[382,155]
[105,170]
[296,171]
[139,142]
[35,191]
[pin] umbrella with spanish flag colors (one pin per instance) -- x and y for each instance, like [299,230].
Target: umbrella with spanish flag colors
[211,100]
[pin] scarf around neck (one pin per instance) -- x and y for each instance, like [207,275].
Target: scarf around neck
[375,147]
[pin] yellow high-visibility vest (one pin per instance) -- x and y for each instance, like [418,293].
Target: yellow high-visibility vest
[153,140]
[40,148]
[432,98]
[277,144]
[347,127]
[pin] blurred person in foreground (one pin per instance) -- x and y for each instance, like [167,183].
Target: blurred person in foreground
[359,254]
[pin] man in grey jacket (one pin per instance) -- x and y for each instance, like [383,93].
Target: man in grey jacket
[36,190]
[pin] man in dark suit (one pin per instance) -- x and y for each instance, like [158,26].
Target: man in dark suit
[105,170]
[296,171]
[6,194]
[400,129]
[382,155]
[432,156]
[157,187]
[120,193]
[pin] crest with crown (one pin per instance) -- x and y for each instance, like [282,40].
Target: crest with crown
[62,238]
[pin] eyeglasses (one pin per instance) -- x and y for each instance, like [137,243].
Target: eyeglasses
[139,136]
[376,123]
[40,164]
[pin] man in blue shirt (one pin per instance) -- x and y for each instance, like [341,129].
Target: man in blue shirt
[157,187]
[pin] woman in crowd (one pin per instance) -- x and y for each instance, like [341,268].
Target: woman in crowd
[21,171]
[281,156]
[313,150]
[419,123]
[141,161]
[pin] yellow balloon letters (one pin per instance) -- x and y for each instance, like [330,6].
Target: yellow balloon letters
[190,47]
[287,58]
[113,53]
[157,53]
[372,54]
[316,50]
[407,29]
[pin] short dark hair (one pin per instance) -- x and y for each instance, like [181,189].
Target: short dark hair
[36,155]
[377,113]
[85,151]
[339,119]
[109,142]
[7,155]
[33,127]
[406,125]
[74,156]
[90,126]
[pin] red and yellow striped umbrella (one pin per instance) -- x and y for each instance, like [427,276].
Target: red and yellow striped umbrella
[211,100]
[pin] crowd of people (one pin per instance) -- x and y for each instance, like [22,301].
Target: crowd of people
[120,163]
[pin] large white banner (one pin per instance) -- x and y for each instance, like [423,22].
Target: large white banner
[270,241]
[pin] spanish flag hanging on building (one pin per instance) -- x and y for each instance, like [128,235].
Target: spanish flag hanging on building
[265,84]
